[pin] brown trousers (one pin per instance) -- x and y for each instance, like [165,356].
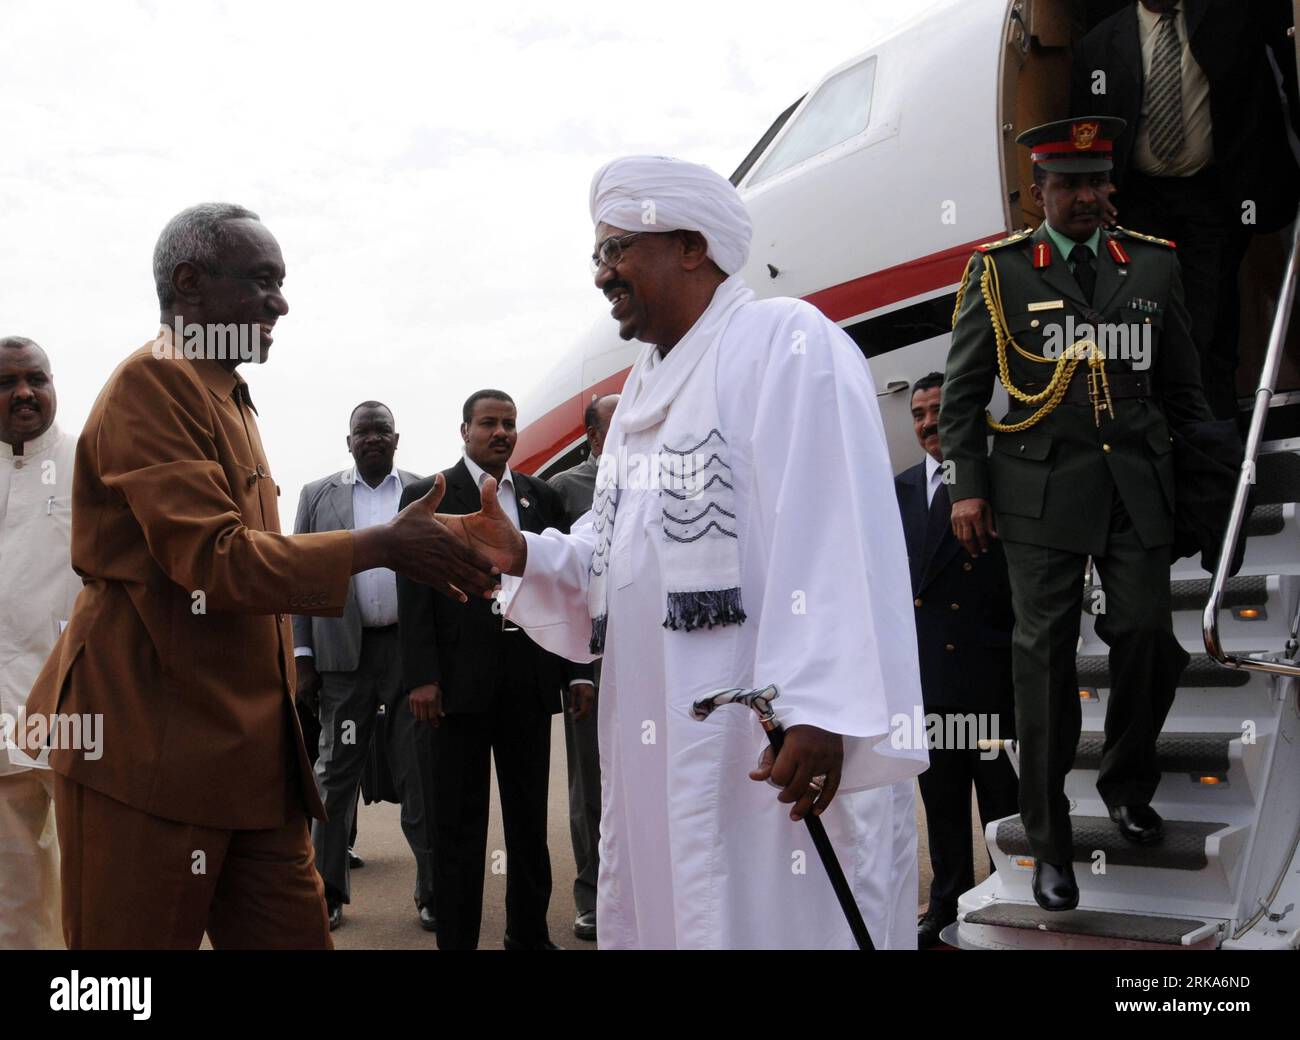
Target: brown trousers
[135,881]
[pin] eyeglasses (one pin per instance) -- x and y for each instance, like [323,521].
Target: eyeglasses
[610,252]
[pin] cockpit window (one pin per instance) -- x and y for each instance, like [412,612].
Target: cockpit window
[838,111]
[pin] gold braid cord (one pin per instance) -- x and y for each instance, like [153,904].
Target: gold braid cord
[1066,364]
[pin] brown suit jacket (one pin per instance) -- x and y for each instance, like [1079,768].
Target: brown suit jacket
[181,637]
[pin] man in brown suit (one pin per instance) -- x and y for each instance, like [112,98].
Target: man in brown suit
[192,818]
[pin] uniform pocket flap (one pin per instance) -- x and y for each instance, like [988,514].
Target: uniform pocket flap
[1159,440]
[1028,444]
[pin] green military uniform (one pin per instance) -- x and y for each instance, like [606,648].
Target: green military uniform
[1083,468]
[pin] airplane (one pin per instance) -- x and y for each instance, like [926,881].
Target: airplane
[868,195]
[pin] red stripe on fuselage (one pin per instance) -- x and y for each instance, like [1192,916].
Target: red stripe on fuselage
[893,284]
[543,439]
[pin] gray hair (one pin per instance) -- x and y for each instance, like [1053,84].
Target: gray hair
[195,236]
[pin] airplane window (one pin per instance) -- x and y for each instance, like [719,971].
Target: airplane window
[837,112]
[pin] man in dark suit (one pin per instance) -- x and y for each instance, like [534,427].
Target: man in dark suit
[1205,159]
[489,693]
[963,631]
[577,488]
[350,665]
[1081,466]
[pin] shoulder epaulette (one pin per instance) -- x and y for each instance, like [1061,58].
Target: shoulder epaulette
[1146,238]
[1011,239]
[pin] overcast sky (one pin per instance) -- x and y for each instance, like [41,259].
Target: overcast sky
[424,167]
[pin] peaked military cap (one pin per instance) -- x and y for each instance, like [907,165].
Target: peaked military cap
[1080,145]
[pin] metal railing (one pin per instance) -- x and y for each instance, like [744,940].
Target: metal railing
[1263,397]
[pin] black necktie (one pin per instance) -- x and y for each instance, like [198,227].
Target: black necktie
[938,522]
[1084,271]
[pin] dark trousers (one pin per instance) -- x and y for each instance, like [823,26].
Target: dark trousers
[349,705]
[516,733]
[310,723]
[945,790]
[1145,664]
[1212,242]
[582,753]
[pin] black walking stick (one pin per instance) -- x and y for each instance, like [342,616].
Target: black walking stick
[761,701]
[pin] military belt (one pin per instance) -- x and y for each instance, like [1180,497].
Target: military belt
[1122,384]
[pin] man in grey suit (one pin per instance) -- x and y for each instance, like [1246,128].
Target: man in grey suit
[577,487]
[353,665]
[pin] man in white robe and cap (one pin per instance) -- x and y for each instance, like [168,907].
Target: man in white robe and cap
[744,533]
[37,590]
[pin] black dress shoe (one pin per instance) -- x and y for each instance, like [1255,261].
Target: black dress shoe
[355,862]
[1138,823]
[545,944]
[929,927]
[336,914]
[1054,886]
[427,921]
[584,926]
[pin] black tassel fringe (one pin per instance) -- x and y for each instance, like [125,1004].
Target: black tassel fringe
[597,644]
[692,610]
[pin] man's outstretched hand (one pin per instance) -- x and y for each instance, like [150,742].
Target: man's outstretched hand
[418,545]
[490,533]
[808,755]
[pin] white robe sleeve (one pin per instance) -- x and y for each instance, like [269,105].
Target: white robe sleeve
[549,601]
[836,627]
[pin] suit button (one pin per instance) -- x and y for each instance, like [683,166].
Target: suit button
[1022,447]
[279,617]
[956,606]
[949,647]
[966,567]
[1106,448]
[916,602]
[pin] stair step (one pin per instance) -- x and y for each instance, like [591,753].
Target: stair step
[1202,753]
[1181,848]
[1277,478]
[1265,520]
[1201,671]
[1241,591]
[1100,924]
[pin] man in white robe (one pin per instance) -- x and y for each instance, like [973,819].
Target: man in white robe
[790,568]
[37,590]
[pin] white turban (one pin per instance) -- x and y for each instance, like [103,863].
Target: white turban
[655,193]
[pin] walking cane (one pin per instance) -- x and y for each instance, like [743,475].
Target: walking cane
[761,701]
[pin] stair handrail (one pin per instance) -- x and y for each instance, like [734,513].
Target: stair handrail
[1246,478]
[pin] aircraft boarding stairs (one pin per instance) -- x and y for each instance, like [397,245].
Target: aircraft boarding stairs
[1227,872]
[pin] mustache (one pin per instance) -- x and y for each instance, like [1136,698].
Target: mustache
[929,431]
[25,403]
[615,285]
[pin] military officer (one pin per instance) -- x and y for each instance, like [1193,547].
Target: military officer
[1087,331]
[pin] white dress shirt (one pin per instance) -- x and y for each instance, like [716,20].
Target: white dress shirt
[376,589]
[505,488]
[1198,141]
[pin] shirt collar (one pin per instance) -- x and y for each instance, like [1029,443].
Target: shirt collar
[1065,245]
[223,383]
[357,481]
[1150,20]
[480,474]
[932,466]
[33,447]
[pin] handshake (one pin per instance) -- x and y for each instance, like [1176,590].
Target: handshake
[460,556]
